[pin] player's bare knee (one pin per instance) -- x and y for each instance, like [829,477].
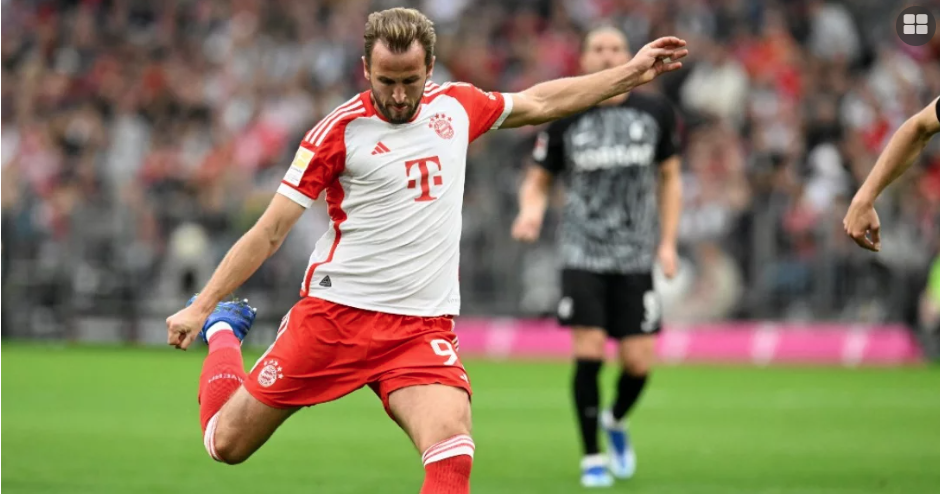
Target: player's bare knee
[229,442]
[431,414]
[453,424]
[589,343]
[637,366]
[637,355]
[455,428]
[230,449]
[445,431]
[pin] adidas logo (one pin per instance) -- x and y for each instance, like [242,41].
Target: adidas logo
[380,149]
[325,282]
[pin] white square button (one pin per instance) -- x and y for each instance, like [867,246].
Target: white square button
[908,29]
[921,18]
[909,18]
[921,29]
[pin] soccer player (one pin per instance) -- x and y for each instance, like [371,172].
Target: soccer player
[861,221]
[620,157]
[380,292]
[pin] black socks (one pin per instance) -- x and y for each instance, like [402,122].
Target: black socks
[629,388]
[587,402]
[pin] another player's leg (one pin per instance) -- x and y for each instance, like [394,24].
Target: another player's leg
[437,419]
[635,317]
[234,424]
[636,358]
[582,309]
[588,343]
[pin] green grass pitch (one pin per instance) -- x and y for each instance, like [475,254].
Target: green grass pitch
[113,420]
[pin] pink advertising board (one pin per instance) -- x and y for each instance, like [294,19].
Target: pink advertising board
[756,343]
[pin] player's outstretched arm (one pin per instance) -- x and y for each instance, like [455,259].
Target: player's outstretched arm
[533,200]
[861,221]
[559,98]
[242,260]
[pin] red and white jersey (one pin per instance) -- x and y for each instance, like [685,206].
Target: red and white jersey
[394,194]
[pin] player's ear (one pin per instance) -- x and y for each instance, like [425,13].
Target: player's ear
[431,67]
[365,69]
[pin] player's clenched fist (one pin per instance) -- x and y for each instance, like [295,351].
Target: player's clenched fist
[183,327]
[861,221]
[659,56]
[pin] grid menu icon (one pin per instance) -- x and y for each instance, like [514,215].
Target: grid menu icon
[915,24]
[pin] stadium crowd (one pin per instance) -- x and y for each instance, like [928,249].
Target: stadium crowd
[139,139]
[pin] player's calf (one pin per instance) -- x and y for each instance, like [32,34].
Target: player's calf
[223,370]
[637,354]
[437,418]
[638,368]
[447,466]
[235,424]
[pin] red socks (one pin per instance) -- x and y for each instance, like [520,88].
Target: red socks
[447,466]
[222,373]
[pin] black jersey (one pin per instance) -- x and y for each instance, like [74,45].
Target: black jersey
[610,157]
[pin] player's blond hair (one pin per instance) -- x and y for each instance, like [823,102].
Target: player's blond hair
[398,29]
[601,27]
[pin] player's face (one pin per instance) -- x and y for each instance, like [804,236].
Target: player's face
[604,49]
[397,80]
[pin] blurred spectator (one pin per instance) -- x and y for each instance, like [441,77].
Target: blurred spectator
[139,139]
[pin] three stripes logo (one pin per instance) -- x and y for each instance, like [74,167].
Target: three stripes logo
[380,149]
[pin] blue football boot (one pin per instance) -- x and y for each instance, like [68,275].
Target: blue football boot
[622,456]
[238,314]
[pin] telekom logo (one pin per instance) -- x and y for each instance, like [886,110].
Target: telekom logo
[427,176]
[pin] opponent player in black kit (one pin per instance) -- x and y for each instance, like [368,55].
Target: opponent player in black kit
[624,197]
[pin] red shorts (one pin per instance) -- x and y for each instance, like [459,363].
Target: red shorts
[324,351]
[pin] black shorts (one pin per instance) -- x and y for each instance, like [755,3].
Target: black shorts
[623,304]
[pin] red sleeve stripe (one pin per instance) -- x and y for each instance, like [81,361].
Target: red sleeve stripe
[345,106]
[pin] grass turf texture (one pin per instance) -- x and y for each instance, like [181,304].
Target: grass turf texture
[82,420]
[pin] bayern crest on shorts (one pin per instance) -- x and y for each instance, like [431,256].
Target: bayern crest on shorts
[441,124]
[270,373]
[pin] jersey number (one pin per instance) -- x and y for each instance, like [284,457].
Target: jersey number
[444,349]
[652,311]
[427,176]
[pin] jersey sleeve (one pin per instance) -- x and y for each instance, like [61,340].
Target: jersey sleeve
[549,151]
[317,163]
[487,110]
[668,144]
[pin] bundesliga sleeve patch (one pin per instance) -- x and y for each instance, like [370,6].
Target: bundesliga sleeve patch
[298,166]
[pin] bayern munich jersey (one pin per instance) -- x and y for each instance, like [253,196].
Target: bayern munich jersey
[394,194]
